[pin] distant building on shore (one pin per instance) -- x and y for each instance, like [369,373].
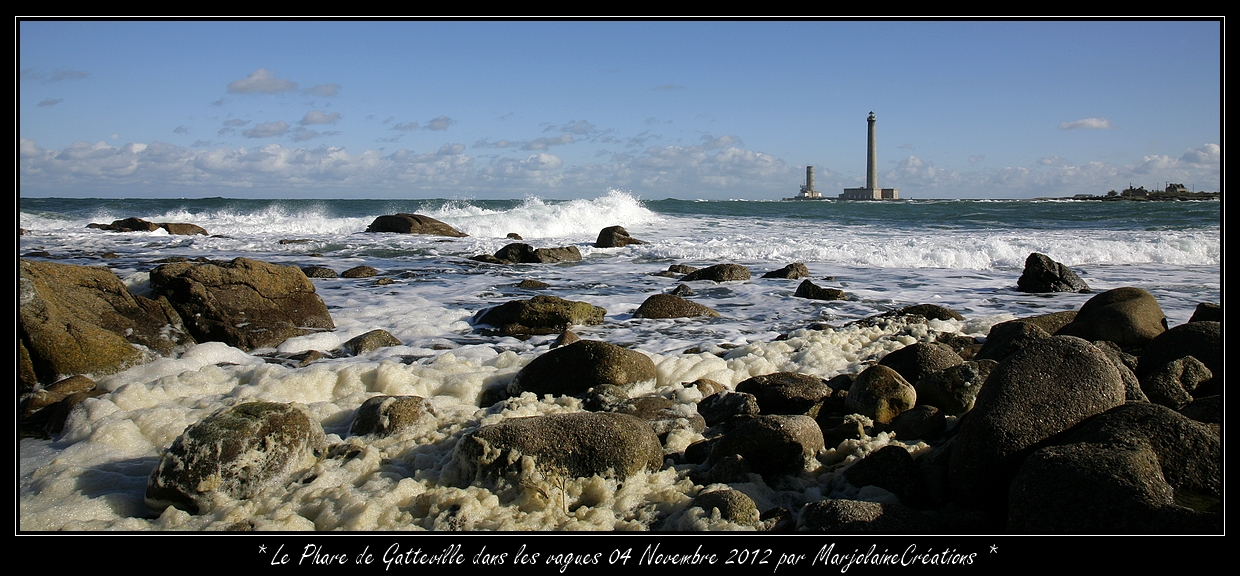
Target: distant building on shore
[871,191]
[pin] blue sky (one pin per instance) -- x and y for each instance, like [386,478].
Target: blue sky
[568,109]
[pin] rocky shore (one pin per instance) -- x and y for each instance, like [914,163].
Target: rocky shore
[1099,420]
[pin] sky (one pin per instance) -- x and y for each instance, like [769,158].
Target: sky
[572,109]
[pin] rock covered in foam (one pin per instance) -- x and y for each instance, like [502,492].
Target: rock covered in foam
[236,452]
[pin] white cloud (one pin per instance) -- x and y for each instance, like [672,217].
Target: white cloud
[725,141]
[1208,155]
[439,123]
[1088,124]
[319,117]
[267,130]
[262,81]
[544,143]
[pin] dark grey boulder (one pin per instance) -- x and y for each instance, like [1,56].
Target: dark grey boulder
[920,359]
[413,224]
[858,517]
[243,303]
[771,445]
[615,237]
[1037,392]
[891,468]
[1207,311]
[662,414]
[362,271]
[953,390]
[236,452]
[140,225]
[1008,337]
[1172,384]
[733,506]
[1202,340]
[319,272]
[723,406]
[791,272]
[719,273]
[671,306]
[386,415]
[520,253]
[371,341]
[807,289]
[530,284]
[584,364]
[1042,274]
[573,445]
[786,392]
[540,315]
[1126,316]
[880,393]
[922,422]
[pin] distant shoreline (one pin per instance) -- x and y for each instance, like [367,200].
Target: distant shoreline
[1152,197]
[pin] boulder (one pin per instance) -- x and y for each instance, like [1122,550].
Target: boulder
[891,468]
[1008,337]
[786,392]
[880,393]
[319,272]
[670,306]
[413,224]
[236,452]
[1045,275]
[362,271]
[386,415]
[244,303]
[574,369]
[371,341]
[518,253]
[83,320]
[615,237]
[1034,394]
[921,359]
[1207,311]
[723,406]
[540,315]
[662,414]
[858,517]
[182,229]
[733,505]
[1126,316]
[791,272]
[1202,340]
[531,284]
[953,390]
[538,449]
[770,444]
[812,291]
[718,273]
[922,422]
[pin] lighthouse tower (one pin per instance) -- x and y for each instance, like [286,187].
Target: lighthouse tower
[871,191]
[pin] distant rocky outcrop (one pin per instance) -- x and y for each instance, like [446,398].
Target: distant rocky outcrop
[237,453]
[244,303]
[140,225]
[403,223]
[615,237]
[83,320]
[1042,274]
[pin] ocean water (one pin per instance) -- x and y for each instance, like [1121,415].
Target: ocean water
[962,254]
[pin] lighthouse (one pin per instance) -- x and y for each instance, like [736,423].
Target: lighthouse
[871,191]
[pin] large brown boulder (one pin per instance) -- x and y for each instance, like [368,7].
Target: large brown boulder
[413,224]
[718,273]
[83,320]
[770,445]
[540,315]
[140,225]
[237,452]
[584,364]
[879,392]
[244,303]
[1126,316]
[538,449]
[786,392]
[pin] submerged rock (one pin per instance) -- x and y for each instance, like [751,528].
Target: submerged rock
[540,315]
[671,306]
[236,452]
[1042,274]
[538,449]
[615,237]
[791,272]
[812,291]
[718,273]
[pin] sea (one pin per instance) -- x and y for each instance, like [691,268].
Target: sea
[965,255]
